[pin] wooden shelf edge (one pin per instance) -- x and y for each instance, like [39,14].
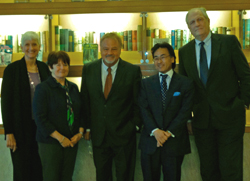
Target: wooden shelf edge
[118,6]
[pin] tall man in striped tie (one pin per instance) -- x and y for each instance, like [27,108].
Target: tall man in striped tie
[221,76]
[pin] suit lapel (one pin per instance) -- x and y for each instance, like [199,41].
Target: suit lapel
[172,88]
[193,61]
[98,77]
[215,49]
[156,85]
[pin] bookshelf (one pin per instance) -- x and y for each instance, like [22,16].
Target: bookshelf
[63,9]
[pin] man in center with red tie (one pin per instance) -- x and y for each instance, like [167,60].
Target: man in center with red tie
[109,90]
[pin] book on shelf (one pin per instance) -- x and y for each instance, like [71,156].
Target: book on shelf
[247,33]
[57,37]
[90,52]
[243,34]
[71,41]
[129,40]
[173,38]
[157,32]
[148,39]
[122,39]
[6,54]
[64,40]
[152,36]
[139,37]
[134,40]
[125,33]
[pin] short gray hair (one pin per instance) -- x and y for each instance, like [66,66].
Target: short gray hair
[29,35]
[112,35]
[201,9]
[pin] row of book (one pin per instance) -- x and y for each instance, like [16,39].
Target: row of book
[246,34]
[224,30]
[6,49]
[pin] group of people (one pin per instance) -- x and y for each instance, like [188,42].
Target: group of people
[45,115]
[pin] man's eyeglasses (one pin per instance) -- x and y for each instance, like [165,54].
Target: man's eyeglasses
[162,58]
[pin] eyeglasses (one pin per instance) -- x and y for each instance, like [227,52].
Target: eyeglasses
[162,58]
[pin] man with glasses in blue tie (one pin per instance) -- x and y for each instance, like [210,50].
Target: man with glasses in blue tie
[221,76]
[165,102]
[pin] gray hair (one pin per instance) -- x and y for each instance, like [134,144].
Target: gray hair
[112,35]
[201,9]
[30,35]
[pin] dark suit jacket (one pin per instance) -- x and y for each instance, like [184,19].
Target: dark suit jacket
[16,100]
[119,114]
[50,110]
[228,85]
[173,118]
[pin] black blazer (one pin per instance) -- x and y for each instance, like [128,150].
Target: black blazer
[173,118]
[119,114]
[228,84]
[50,110]
[16,99]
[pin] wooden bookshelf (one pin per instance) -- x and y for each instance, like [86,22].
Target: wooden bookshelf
[119,6]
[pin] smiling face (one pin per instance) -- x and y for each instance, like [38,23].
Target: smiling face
[30,49]
[198,25]
[162,60]
[60,70]
[110,51]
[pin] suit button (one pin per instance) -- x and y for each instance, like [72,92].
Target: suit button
[104,117]
[105,105]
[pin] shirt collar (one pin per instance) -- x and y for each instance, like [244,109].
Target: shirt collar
[206,40]
[169,73]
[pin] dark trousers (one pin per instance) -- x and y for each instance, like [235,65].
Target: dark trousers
[124,158]
[26,163]
[151,166]
[58,163]
[221,153]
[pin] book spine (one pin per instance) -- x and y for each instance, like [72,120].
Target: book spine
[224,30]
[178,39]
[148,39]
[71,41]
[139,37]
[66,40]
[125,40]
[57,38]
[122,39]
[247,33]
[152,37]
[157,33]
[219,30]
[173,38]
[243,39]
[134,40]
[62,39]
[129,40]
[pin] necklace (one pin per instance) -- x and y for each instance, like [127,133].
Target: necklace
[32,83]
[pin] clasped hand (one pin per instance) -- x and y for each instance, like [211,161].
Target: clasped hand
[71,143]
[161,137]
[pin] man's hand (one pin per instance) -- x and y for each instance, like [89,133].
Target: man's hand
[76,138]
[161,136]
[87,135]
[11,142]
[189,127]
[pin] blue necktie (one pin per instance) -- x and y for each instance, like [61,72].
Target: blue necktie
[203,64]
[164,89]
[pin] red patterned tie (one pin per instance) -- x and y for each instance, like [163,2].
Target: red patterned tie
[108,84]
